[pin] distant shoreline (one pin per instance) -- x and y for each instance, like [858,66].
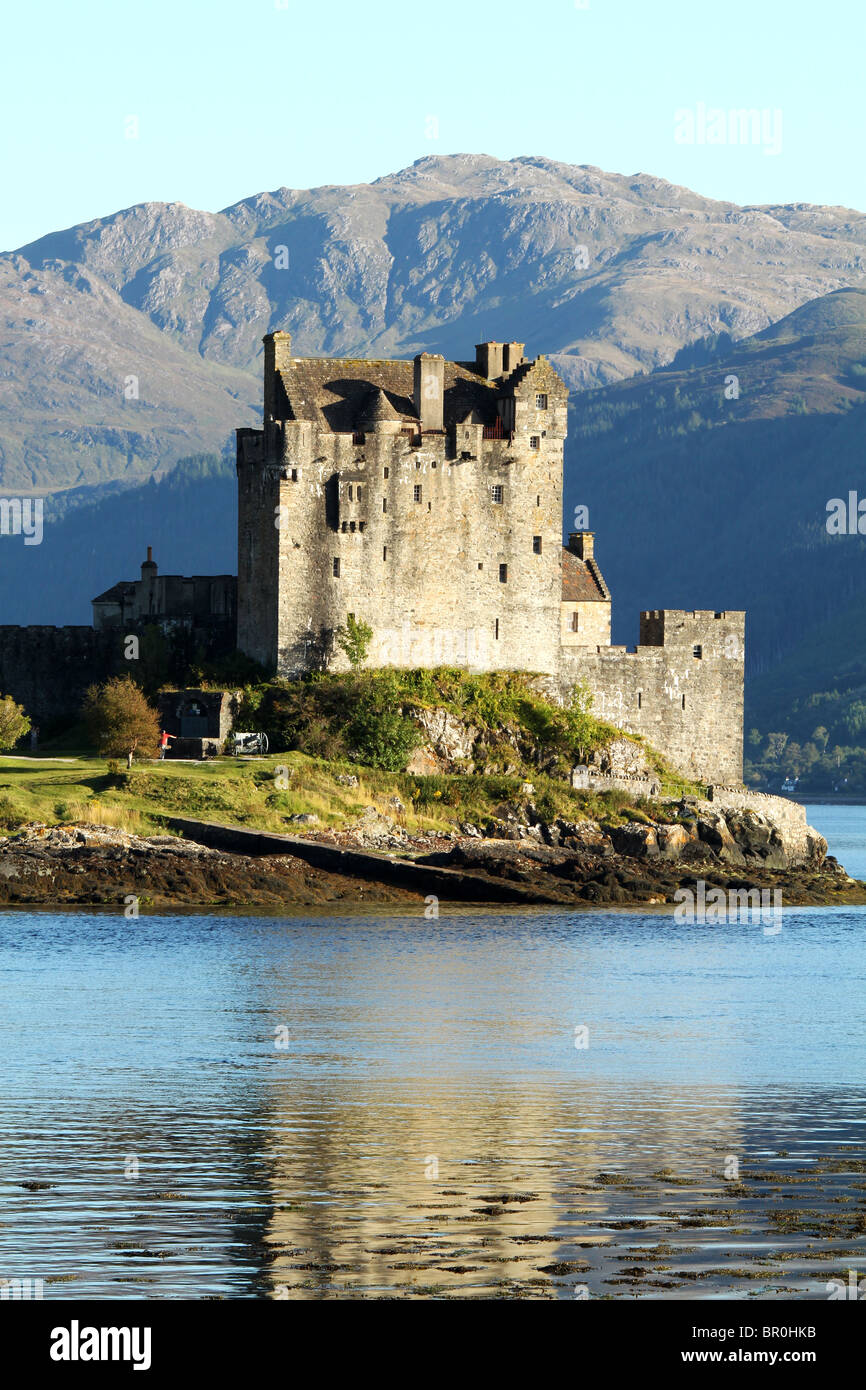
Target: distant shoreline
[828,800]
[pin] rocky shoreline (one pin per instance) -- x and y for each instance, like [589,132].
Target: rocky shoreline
[735,848]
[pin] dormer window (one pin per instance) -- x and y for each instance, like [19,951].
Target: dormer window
[541,402]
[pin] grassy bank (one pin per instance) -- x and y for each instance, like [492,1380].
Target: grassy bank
[266,793]
[341,743]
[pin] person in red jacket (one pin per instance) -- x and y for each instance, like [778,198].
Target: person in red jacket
[164,740]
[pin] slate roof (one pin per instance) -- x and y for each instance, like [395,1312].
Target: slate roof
[581,580]
[116,592]
[336,394]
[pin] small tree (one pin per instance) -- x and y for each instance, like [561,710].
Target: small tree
[14,723]
[120,720]
[354,640]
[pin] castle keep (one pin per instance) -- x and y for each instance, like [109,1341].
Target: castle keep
[425,498]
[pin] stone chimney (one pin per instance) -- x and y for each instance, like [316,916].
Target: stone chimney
[148,568]
[582,544]
[278,354]
[429,392]
[512,356]
[488,359]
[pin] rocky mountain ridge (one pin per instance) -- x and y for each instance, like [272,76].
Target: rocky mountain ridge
[608,274]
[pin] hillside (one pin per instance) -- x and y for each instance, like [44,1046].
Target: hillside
[609,274]
[704,501]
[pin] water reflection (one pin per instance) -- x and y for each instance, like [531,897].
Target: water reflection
[430,1127]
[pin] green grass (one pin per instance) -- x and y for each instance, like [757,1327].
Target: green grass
[234,792]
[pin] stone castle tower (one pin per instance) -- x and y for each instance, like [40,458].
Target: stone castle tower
[425,498]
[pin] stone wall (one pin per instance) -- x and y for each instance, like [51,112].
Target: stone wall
[685,697]
[588,779]
[48,669]
[778,808]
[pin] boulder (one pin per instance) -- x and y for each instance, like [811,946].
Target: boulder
[635,840]
[449,740]
[621,758]
[672,840]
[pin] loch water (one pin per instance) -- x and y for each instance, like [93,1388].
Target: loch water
[485,1104]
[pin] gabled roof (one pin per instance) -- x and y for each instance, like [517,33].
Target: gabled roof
[335,392]
[116,593]
[582,581]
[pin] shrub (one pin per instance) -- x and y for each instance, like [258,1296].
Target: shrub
[354,641]
[381,737]
[14,723]
[119,718]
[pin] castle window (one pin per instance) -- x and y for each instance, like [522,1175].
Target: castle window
[575,621]
[416,492]
[540,402]
[344,526]
[639,698]
[536,545]
[684,702]
[503,574]
[361,525]
[538,500]
[294,475]
[360,492]
[350,492]
[386,473]
[496,630]
[336,567]
[384,504]
[496,492]
[429,506]
[384,552]
[351,526]
[535,441]
[698,652]
[481,564]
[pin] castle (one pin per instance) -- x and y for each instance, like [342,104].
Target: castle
[424,498]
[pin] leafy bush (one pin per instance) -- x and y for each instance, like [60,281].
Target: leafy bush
[382,737]
[14,723]
[118,718]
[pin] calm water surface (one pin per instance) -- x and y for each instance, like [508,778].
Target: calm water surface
[363,1105]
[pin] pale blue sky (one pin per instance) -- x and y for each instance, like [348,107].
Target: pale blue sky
[237,96]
